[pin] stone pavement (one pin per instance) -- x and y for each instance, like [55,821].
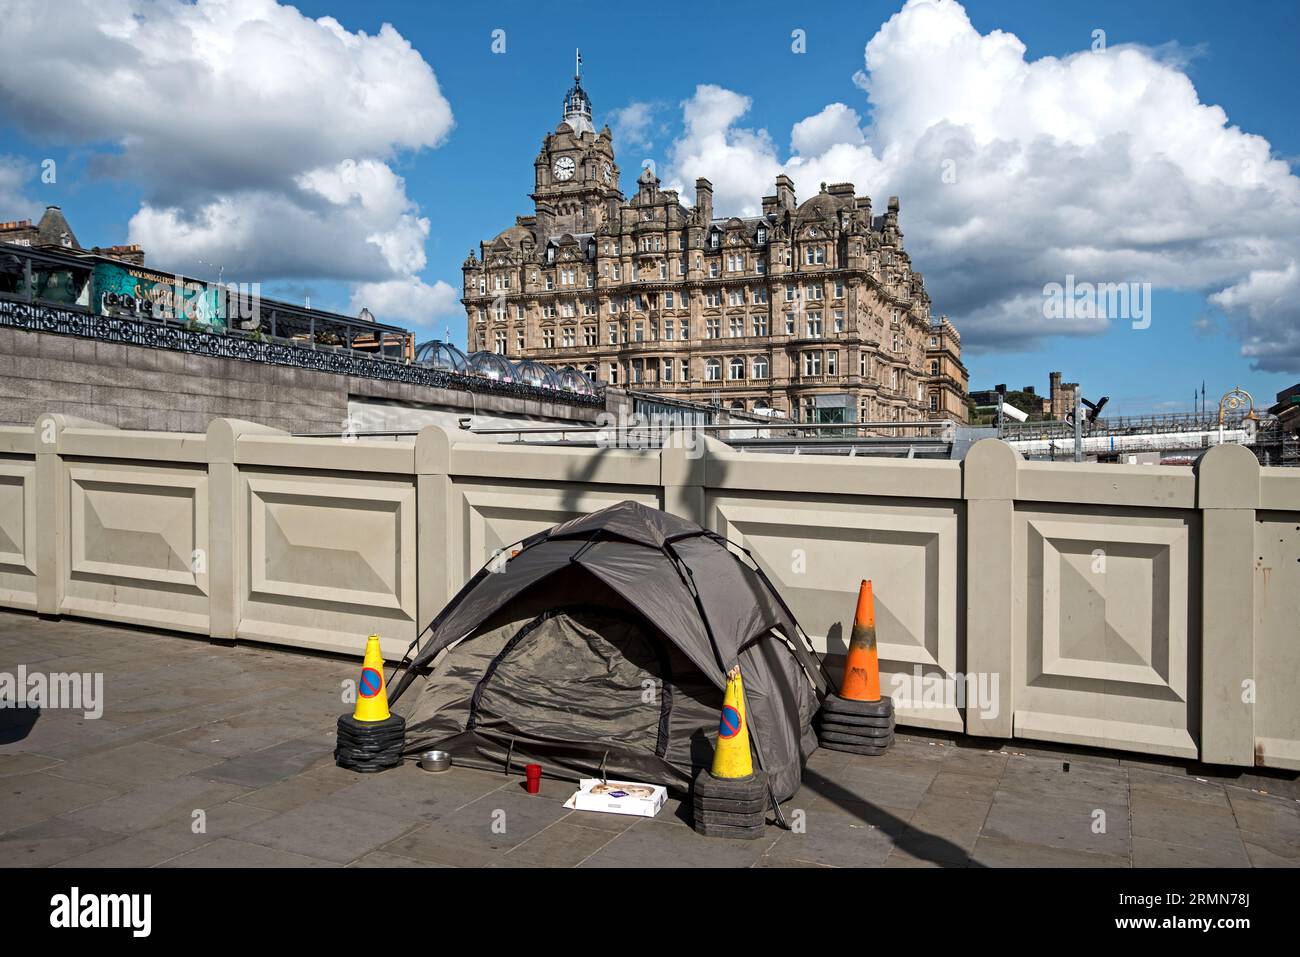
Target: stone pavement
[239,740]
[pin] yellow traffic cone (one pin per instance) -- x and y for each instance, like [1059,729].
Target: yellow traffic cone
[731,758]
[372,696]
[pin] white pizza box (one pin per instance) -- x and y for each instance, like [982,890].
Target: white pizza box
[618,797]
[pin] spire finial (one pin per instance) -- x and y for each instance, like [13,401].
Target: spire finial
[577,65]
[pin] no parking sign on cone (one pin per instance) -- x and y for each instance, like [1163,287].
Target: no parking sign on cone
[730,799]
[371,738]
[372,696]
[731,758]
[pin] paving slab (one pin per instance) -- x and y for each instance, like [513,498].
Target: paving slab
[21,762]
[1182,787]
[840,841]
[1264,851]
[184,833]
[385,860]
[945,828]
[133,765]
[1167,820]
[126,852]
[304,788]
[412,793]
[228,852]
[331,832]
[1157,853]
[1266,814]
[1059,824]
[653,843]
[147,807]
[560,845]
[1001,852]
[245,734]
[28,798]
[273,764]
[49,842]
[1038,778]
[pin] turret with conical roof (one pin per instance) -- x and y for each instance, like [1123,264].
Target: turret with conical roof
[54,230]
[577,105]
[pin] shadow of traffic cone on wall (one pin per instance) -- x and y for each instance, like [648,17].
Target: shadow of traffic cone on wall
[859,719]
[371,738]
[730,798]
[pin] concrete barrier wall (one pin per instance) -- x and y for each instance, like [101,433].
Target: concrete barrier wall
[1143,608]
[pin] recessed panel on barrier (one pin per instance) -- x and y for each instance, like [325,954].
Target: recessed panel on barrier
[17,533]
[1105,651]
[137,543]
[329,557]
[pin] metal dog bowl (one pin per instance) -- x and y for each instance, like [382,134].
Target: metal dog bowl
[435,760]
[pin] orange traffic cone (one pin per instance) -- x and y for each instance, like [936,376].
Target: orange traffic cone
[862,666]
[859,719]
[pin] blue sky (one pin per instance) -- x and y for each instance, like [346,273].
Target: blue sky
[476,180]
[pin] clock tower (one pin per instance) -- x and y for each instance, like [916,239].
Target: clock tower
[575,179]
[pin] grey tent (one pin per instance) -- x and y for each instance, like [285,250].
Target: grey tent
[606,641]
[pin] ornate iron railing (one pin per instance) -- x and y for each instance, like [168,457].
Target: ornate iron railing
[59,320]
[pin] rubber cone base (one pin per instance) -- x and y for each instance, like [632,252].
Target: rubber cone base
[752,833]
[749,788]
[749,819]
[370,745]
[834,704]
[855,745]
[855,720]
[858,727]
[730,807]
[857,730]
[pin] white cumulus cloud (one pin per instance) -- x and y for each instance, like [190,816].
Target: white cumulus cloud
[263,139]
[408,300]
[633,125]
[1014,172]
[16,174]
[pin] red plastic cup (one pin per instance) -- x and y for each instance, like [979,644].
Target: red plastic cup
[533,777]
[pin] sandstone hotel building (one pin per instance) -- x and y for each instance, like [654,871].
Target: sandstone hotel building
[811,310]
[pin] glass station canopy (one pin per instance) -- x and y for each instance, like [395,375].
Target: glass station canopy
[442,355]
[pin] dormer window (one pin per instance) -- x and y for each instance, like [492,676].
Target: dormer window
[761,236]
[715,239]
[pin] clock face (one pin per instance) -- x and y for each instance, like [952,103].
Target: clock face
[564,168]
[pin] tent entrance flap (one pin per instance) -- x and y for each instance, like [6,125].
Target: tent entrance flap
[576,676]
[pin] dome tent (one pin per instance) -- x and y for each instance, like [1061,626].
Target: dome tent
[605,641]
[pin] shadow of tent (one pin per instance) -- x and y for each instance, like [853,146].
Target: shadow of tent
[16,723]
[910,840]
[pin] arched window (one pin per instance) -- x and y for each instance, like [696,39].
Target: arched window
[712,370]
[738,406]
[760,367]
[736,368]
